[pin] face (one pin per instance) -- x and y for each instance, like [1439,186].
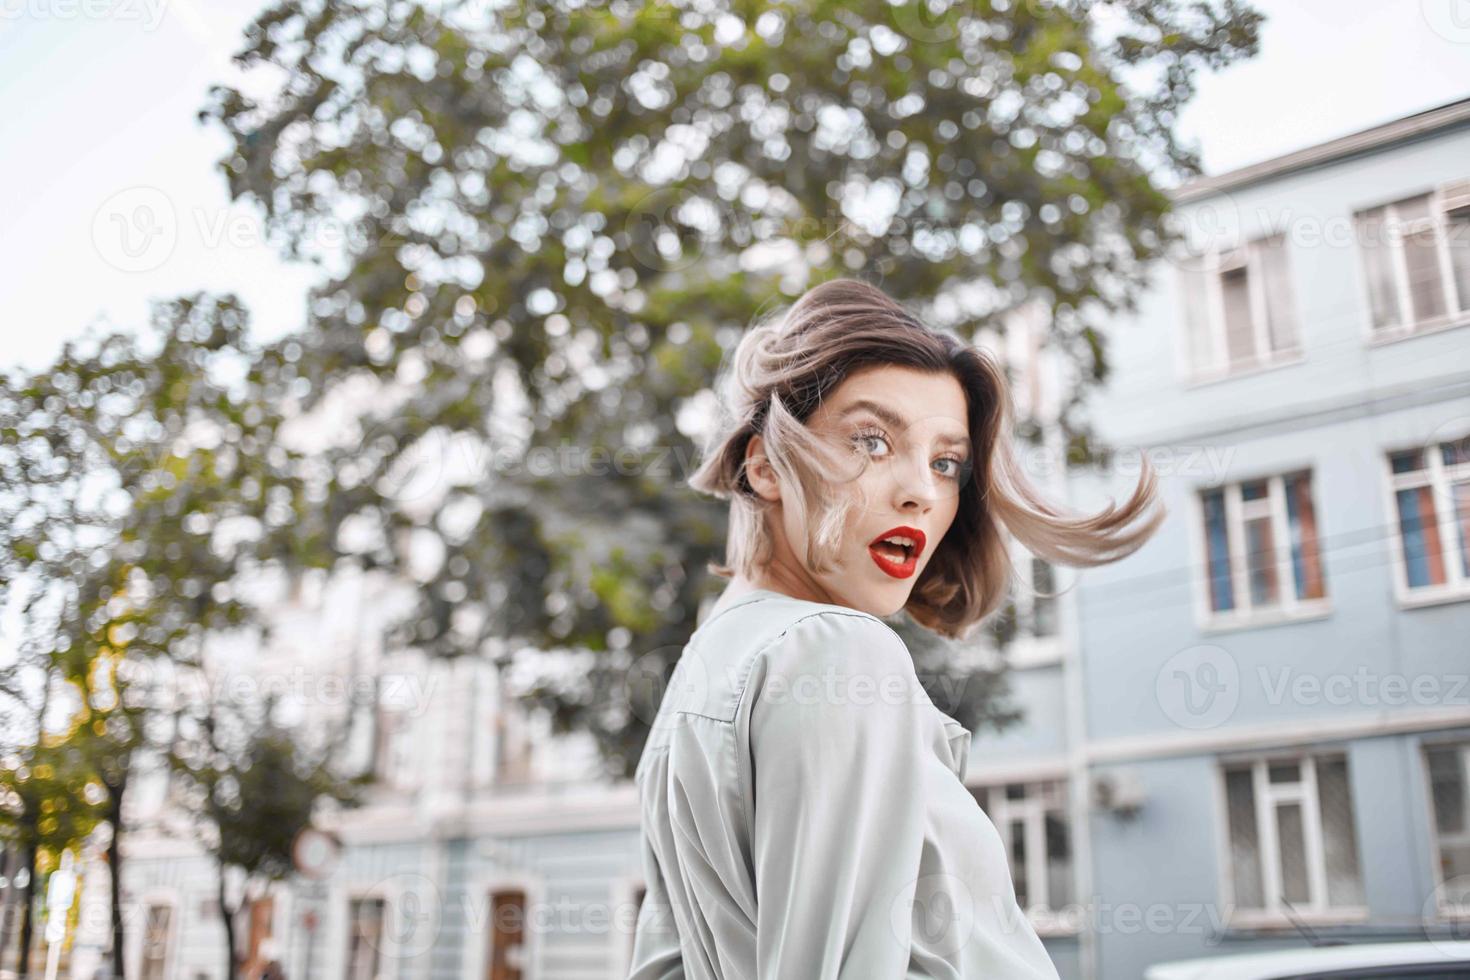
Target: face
[912,427]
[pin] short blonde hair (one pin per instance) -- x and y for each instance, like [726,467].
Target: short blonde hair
[777,377]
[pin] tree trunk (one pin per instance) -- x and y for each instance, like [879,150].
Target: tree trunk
[27,924]
[114,866]
[231,966]
[8,868]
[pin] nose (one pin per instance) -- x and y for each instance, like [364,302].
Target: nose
[918,487]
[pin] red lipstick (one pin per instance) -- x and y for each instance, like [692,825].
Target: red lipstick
[898,559]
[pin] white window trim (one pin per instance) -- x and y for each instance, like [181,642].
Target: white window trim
[1046,918]
[1285,359]
[1438,478]
[1445,911]
[136,937]
[1274,914]
[1215,260]
[1244,616]
[340,924]
[399,744]
[1455,315]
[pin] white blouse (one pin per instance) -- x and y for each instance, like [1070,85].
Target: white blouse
[804,815]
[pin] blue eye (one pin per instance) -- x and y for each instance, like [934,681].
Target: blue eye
[961,466]
[866,435]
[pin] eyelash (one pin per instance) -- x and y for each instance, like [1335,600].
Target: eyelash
[961,463]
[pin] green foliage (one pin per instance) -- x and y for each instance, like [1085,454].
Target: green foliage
[141,481]
[51,800]
[564,213]
[578,195]
[254,786]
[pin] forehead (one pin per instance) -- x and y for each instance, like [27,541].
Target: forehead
[935,400]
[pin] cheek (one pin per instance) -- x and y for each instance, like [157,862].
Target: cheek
[865,490]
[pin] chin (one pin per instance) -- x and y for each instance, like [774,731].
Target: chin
[889,604]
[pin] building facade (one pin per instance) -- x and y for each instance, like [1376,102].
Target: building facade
[1275,710]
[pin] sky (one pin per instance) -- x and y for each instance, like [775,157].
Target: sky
[98,99]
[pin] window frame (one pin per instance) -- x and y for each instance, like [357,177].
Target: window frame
[1028,648]
[160,898]
[1289,609]
[1438,478]
[475,954]
[1215,260]
[381,957]
[1441,200]
[397,732]
[1450,913]
[1046,918]
[1309,798]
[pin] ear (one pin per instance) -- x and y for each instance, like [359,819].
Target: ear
[758,470]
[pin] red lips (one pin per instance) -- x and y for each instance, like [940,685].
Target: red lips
[895,561]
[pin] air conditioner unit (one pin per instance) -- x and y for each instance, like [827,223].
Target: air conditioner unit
[1118,791]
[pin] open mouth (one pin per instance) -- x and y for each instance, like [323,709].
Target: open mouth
[896,551]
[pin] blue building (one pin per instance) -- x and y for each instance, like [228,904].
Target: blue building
[1258,725]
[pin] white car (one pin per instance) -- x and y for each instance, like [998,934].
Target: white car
[1375,961]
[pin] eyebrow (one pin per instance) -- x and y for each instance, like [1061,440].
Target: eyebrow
[894,420]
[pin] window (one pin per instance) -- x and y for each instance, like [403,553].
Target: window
[1449,790]
[395,764]
[365,937]
[507,959]
[261,912]
[1416,258]
[1028,625]
[1238,308]
[1431,494]
[1041,599]
[1293,839]
[1036,832]
[157,934]
[514,743]
[1262,549]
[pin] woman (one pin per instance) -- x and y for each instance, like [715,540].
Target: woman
[804,813]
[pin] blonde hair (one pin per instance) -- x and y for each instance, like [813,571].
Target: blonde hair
[777,377]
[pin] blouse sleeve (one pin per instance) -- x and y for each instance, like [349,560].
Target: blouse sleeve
[656,953]
[836,742]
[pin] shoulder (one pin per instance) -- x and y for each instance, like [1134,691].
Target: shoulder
[819,628]
[836,686]
[839,645]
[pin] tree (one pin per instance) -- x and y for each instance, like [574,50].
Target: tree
[252,786]
[49,803]
[142,482]
[562,213]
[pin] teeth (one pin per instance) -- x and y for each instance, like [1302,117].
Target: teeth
[896,539]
